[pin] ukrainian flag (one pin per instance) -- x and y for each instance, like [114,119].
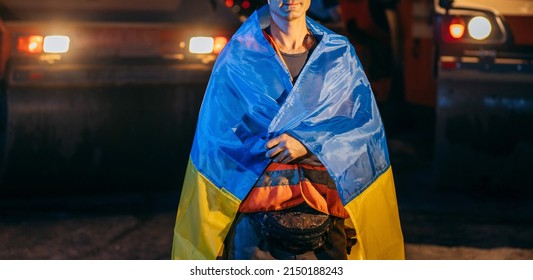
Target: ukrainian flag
[250,98]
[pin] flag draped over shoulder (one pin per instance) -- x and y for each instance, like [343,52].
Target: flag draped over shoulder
[330,108]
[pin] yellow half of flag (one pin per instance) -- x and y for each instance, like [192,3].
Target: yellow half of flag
[205,215]
[374,215]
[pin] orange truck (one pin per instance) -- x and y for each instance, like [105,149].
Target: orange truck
[469,60]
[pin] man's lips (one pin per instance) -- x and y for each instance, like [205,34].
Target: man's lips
[290,4]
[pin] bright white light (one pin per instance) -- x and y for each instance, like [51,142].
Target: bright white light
[479,28]
[201,44]
[56,44]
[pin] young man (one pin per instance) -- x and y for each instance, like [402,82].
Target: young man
[289,159]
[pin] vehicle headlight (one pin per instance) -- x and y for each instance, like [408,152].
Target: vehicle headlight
[201,45]
[207,45]
[479,28]
[56,44]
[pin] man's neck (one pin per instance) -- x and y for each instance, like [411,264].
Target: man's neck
[289,35]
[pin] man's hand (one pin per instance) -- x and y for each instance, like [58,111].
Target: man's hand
[285,148]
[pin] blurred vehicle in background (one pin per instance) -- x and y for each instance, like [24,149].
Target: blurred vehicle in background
[471,61]
[484,72]
[103,94]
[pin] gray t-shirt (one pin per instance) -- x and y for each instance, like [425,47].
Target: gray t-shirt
[295,62]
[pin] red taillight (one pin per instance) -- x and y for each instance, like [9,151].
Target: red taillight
[30,44]
[219,44]
[229,3]
[457,28]
[246,4]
